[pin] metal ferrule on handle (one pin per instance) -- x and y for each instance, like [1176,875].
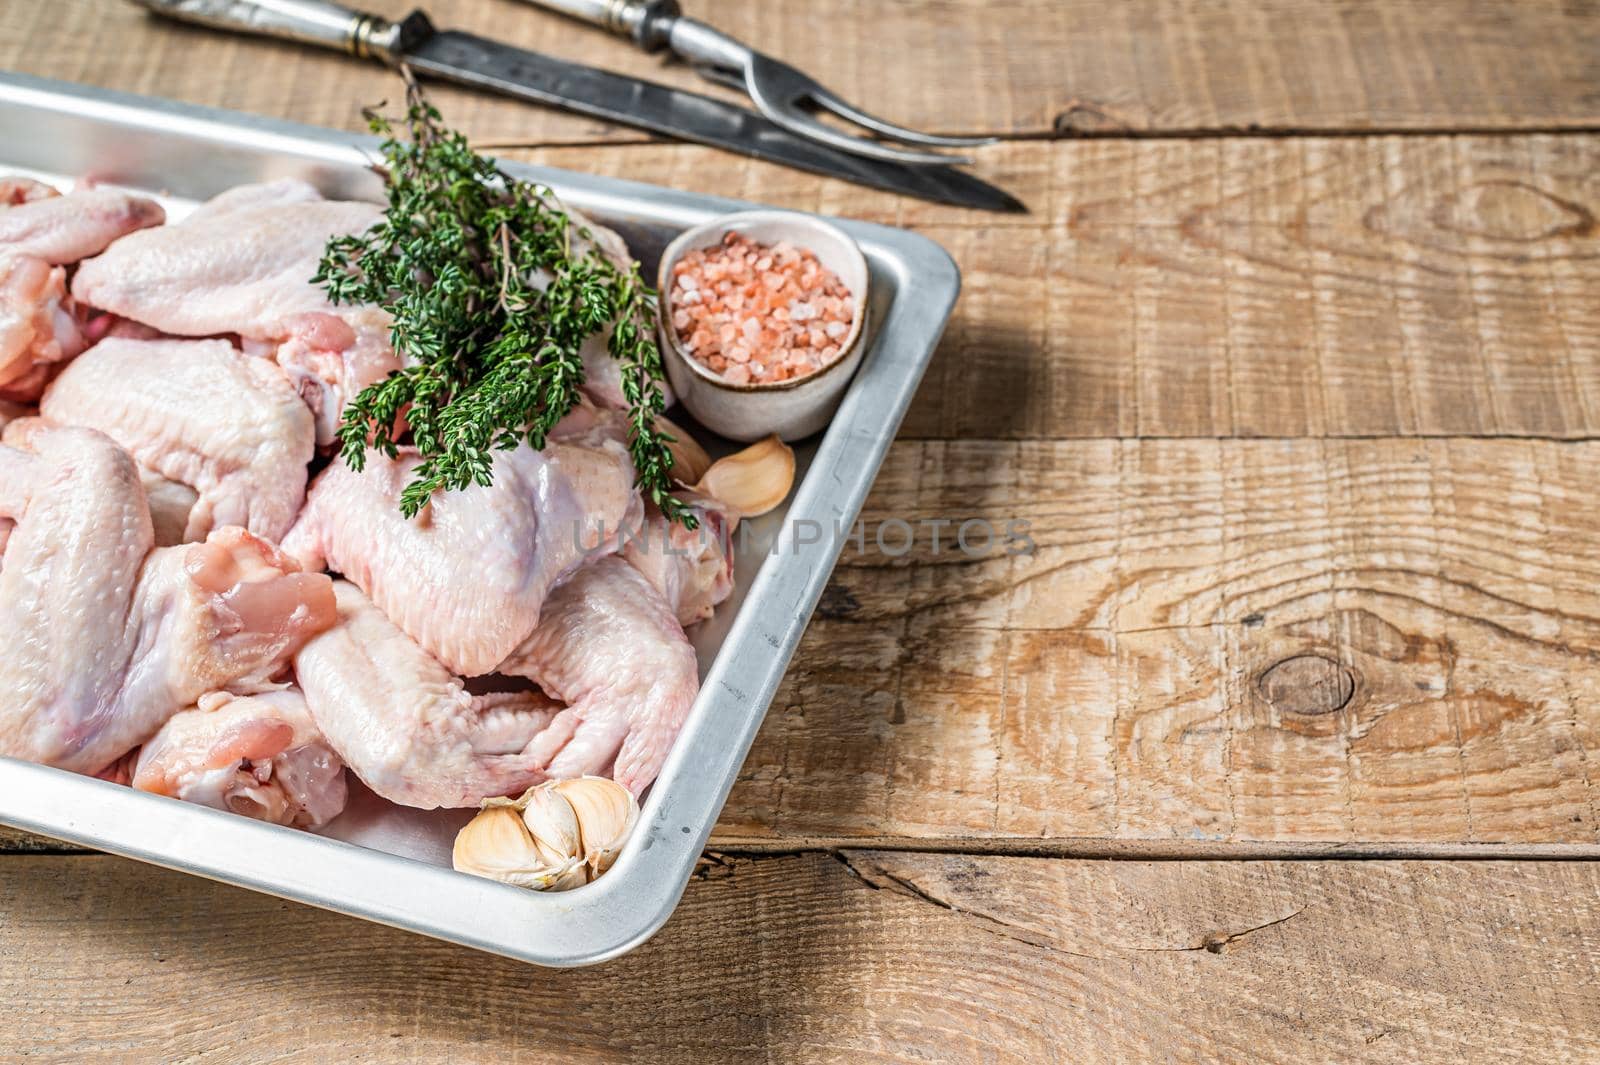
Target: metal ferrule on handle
[645,22]
[319,22]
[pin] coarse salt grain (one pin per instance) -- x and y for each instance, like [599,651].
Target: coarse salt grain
[756,313]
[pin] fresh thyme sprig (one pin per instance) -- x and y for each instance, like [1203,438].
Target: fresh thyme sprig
[491,303]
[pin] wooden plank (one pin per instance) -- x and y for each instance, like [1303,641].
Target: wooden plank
[1215,642]
[868,956]
[1423,286]
[13,840]
[1026,67]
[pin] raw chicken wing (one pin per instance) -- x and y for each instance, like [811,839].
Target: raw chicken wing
[106,637]
[691,568]
[17,189]
[40,235]
[62,230]
[610,648]
[37,329]
[170,502]
[256,755]
[467,576]
[278,193]
[405,724]
[198,413]
[242,263]
[331,358]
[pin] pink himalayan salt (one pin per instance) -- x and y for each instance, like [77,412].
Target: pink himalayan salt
[756,313]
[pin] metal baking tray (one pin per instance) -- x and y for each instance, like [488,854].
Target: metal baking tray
[391,865]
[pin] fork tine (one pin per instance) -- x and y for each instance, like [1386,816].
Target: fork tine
[824,98]
[797,121]
[775,99]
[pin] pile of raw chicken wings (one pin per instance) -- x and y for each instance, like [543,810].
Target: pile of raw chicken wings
[200,601]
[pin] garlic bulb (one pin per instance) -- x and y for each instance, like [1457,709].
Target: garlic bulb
[559,835]
[752,481]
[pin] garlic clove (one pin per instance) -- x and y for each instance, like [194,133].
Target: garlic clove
[689,459]
[553,824]
[606,813]
[752,481]
[572,874]
[496,844]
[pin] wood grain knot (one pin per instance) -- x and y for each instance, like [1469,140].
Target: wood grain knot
[1086,116]
[1307,684]
[1515,211]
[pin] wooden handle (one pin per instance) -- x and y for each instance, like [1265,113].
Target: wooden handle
[644,22]
[319,22]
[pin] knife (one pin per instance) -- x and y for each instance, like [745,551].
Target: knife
[474,61]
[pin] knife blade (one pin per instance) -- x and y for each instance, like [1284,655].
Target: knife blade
[474,61]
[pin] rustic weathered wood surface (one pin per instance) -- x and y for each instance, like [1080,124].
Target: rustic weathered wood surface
[863,956]
[1017,67]
[1304,429]
[1214,640]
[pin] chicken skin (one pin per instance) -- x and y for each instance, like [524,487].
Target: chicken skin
[63,230]
[169,501]
[41,234]
[330,358]
[405,724]
[242,263]
[466,578]
[198,413]
[107,636]
[281,193]
[256,755]
[691,568]
[37,329]
[610,648]
[16,189]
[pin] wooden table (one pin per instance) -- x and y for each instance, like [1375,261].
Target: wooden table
[1284,745]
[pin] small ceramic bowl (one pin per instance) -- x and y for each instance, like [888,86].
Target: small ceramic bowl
[794,408]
